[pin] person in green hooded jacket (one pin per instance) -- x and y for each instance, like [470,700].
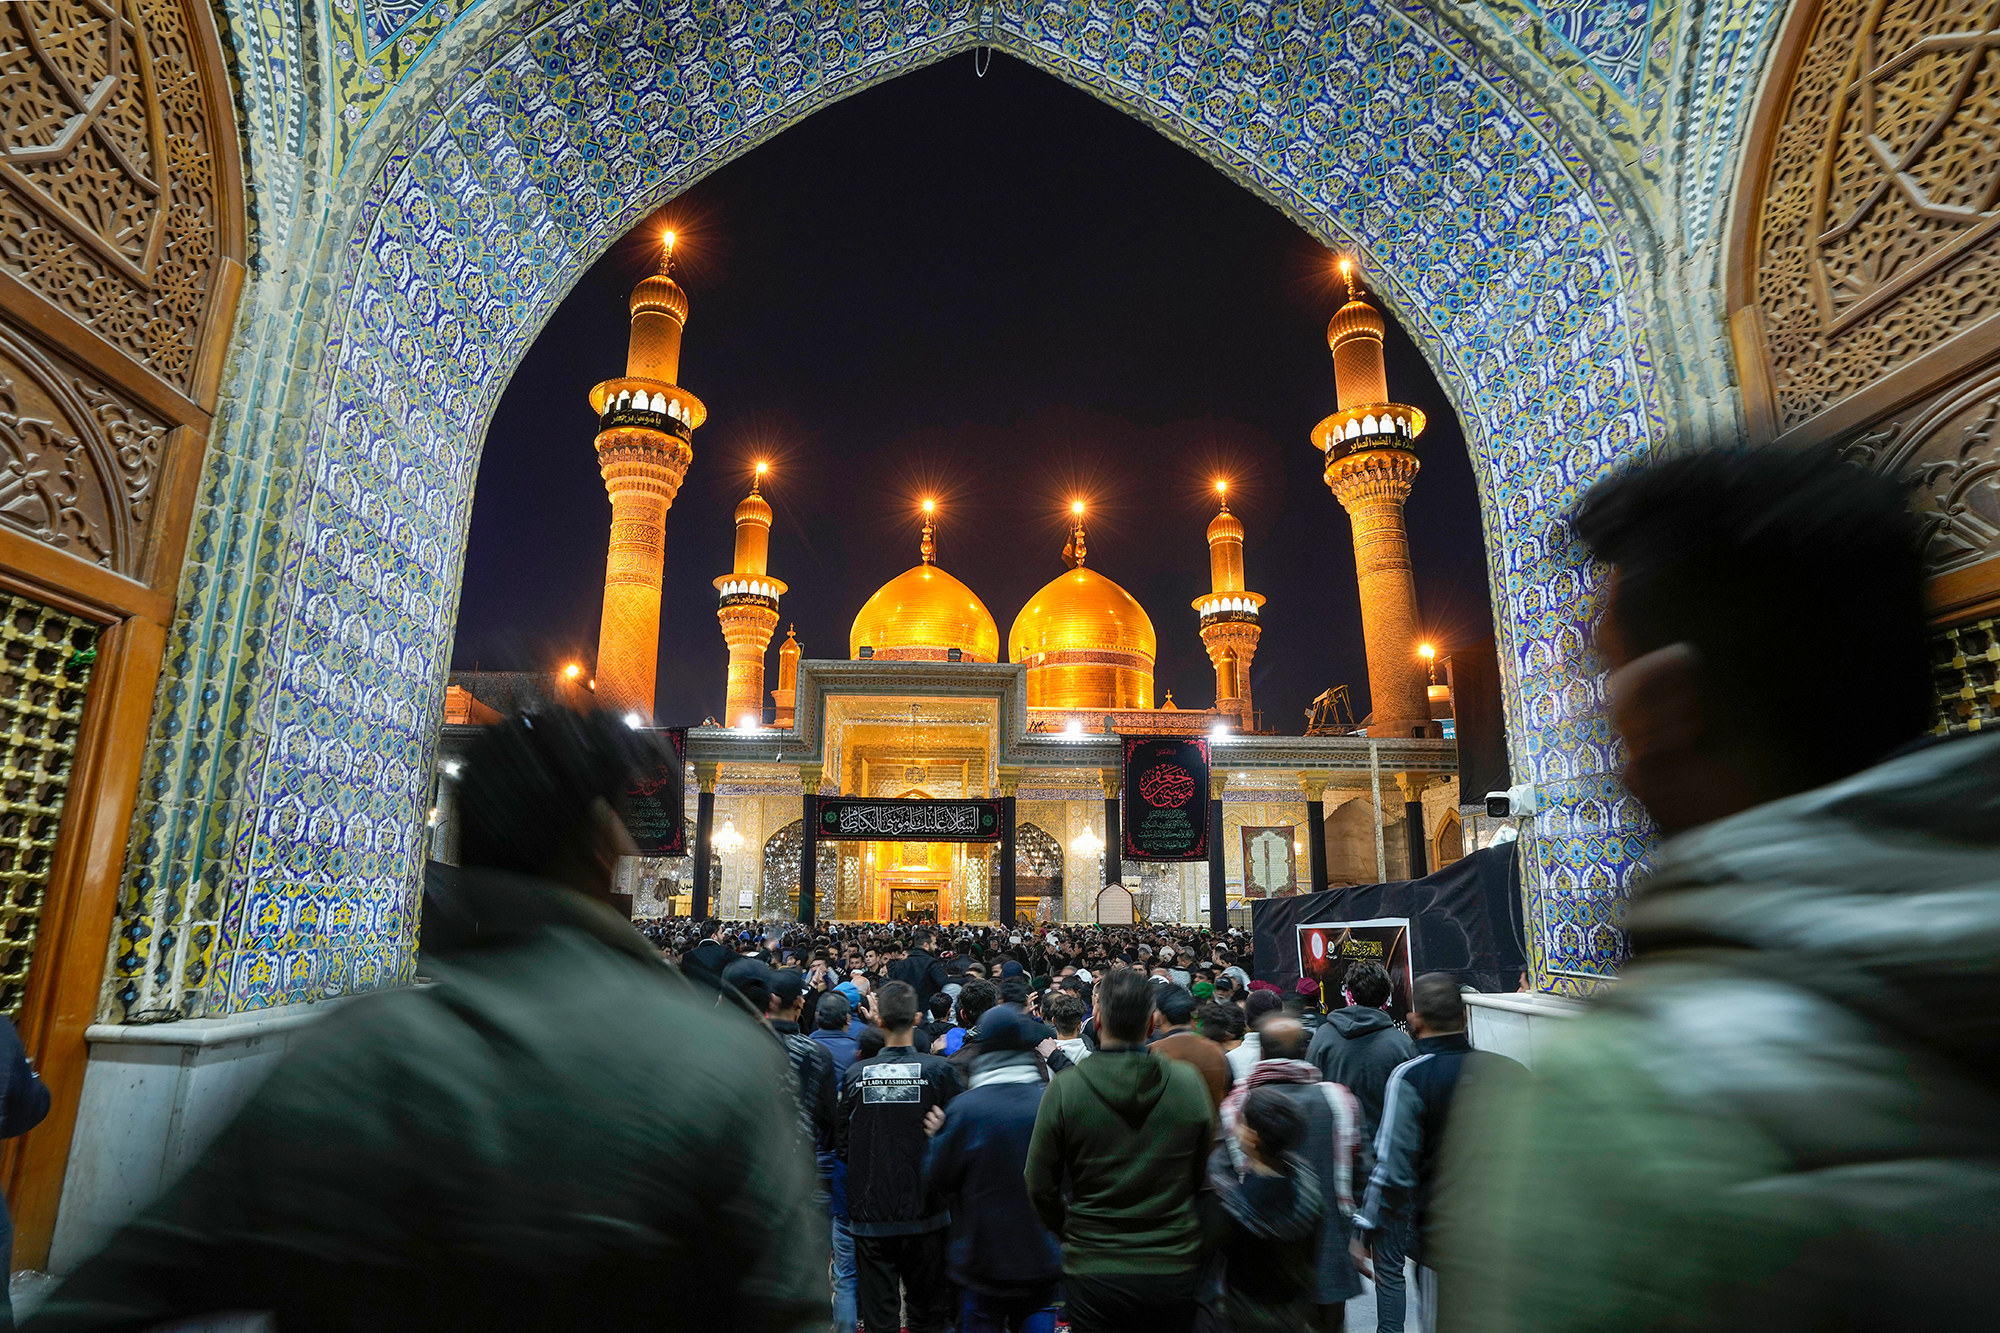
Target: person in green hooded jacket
[560,1133]
[1129,1134]
[1785,1114]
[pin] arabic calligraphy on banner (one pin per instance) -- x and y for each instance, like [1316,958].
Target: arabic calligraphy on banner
[909,821]
[1166,798]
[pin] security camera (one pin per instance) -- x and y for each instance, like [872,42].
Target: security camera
[1521,799]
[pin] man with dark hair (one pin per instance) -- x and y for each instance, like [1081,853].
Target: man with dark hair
[974,999]
[1120,1149]
[707,961]
[920,967]
[1175,1038]
[1786,1113]
[897,1221]
[832,1036]
[1415,1119]
[421,1157]
[1358,1047]
[1270,1215]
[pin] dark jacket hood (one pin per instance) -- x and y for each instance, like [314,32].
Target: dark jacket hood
[1129,1082]
[1358,1020]
[1881,892]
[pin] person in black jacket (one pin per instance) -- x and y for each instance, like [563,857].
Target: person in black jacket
[1005,1262]
[920,969]
[706,961]
[812,1068]
[898,1223]
[24,1101]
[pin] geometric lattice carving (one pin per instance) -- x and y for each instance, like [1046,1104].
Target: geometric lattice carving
[1965,663]
[79,467]
[107,178]
[1880,207]
[1948,446]
[46,658]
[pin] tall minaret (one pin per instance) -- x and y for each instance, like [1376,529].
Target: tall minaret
[749,610]
[1229,613]
[645,441]
[1371,463]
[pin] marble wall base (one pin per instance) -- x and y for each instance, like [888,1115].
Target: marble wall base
[153,1098]
[1512,1025]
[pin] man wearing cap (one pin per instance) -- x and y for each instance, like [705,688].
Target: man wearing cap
[812,1065]
[1306,1005]
[1175,1038]
[1003,1260]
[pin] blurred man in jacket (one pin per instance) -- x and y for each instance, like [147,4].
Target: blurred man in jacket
[561,1128]
[1004,1262]
[1786,1115]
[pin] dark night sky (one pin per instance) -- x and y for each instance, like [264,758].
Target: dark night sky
[1003,292]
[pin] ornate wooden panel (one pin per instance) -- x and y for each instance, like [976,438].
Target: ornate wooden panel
[1865,283]
[110,206]
[1879,203]
[79,466]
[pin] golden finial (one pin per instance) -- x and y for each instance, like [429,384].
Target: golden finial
[667,252]
[1222,493]
[928,546]
[757,477]
[1075,551]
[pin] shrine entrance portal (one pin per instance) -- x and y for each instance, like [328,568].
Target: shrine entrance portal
[916,867]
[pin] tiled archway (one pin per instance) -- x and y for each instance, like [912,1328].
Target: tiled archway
[277,846]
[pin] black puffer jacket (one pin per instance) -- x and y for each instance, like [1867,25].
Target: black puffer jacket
[1786,1114]
[879,1131]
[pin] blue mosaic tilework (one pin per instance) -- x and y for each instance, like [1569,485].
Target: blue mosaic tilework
[1612,37]
[278,848]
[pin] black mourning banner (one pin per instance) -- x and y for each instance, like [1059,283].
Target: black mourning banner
[854,817]
[654,808]
[1166,798]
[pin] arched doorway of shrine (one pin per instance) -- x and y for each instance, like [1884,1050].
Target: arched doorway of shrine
[526,141]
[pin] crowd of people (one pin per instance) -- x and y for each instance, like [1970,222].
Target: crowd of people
[1216,1179]
[1781,1118]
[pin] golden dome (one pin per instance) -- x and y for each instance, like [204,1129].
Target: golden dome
[1087,643]
[1356,318]
[660,292]
[1225,526]
[920,615]
[754,509]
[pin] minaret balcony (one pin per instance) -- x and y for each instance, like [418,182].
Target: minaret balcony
[1227,608]
[1371,426]
[751,592]
[644,418]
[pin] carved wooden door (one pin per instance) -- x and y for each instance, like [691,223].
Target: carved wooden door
[121,246]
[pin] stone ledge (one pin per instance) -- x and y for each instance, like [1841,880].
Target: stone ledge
[230,1028]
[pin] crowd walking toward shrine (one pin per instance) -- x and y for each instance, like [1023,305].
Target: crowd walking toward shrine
[1784,1116]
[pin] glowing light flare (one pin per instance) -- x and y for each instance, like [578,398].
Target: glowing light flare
[572,671]
[930,506]
[1076,507]
[1221,486]
[667,239]
[1087,843]
[1426,652]
[762,467]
